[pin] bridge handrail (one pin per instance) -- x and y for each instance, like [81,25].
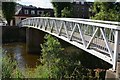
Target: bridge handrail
[85,34]
[83,21]
[98,21]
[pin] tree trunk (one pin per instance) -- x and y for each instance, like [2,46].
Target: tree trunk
[8,20]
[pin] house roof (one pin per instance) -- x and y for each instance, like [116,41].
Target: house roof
[20,12]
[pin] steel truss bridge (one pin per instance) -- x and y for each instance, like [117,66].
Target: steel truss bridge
[99,38]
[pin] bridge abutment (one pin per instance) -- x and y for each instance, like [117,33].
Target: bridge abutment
[34,38]
[114,75]
[118,70]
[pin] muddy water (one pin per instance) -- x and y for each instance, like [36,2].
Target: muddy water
[25,59]
[19,53]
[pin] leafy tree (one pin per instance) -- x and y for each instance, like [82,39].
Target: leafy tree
[46,15]
[106,11]
[8,9]
[51,51]
[58,64]
[59,6]
[67,12]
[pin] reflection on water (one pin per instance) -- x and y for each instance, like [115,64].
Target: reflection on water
[19,53]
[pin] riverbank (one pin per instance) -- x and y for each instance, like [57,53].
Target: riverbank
[28,62]
[72,56]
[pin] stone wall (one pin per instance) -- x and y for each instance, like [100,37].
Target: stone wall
[13,34]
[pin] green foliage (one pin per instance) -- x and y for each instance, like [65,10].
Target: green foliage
[46,15]
[58,64]
[67,12]
[8,10]
[9,68]
[51,51]
[59,6]
[42,71]
[106,11]
[17,74]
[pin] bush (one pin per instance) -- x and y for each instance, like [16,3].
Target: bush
[9,68]
[60,65]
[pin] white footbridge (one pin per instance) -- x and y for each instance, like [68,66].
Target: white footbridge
[99,38]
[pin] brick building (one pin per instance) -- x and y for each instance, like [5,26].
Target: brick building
[23,12]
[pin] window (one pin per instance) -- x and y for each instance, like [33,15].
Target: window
[39,12]
[82,8]
[42,13]
[26,11]
[82,2]
[32,12]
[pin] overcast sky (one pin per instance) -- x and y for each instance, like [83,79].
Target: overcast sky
[44,3]
[38,3]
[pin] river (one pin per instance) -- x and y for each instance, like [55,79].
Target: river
[19,53]
[23,58]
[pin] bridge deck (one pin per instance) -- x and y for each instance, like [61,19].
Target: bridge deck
[98,38]
[97,44]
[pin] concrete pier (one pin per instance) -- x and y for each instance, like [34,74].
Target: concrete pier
[118,70]
[34,38]
[113,75]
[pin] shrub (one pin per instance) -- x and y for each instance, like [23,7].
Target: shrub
[9,68]
[60,65]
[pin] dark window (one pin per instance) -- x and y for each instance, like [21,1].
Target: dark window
[32,12]
[26,12]
[39,12]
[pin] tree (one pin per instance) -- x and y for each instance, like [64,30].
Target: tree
[106,11]
[8,9]
[58,64]
[59,6]
[67,12]
[51,51]
[45,15]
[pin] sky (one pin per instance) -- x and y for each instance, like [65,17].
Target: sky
[39,3]
[43,3]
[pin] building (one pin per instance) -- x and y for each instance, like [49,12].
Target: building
[81,10]
[0,9]
[23,12]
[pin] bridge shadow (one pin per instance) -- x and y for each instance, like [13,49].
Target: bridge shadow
[86,59]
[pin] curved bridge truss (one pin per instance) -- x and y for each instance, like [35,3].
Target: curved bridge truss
[100,38]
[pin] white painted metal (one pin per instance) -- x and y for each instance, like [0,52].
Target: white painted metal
[116,49]
[98,38]
[97,21]
[92,38]
[106,42]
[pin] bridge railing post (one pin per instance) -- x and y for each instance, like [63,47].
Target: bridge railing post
[116,48]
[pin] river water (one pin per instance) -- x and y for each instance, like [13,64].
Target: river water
[19,53]
[23,58]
